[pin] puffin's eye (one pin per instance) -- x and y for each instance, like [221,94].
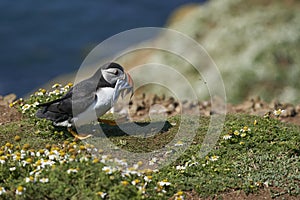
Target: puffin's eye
[114,72]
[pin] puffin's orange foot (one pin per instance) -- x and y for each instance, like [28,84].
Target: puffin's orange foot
[79,137]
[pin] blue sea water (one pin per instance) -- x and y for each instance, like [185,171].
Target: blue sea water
[44,39]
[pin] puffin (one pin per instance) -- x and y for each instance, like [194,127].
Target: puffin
[96,94]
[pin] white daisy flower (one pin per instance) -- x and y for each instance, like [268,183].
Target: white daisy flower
[12,169]
[148,178]
[178,143]
[2,190]
[35,104]
[25,108]
[102,194]
[153,161]
[2,159]
[44,180]
[29,179]
[179,167]
[278,112]
[135,182]
[56,85]
[227,137]
[20,190]
[108,169]
[71,170]
[214,158]
[164,183]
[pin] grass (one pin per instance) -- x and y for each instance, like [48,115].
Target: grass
[38,161]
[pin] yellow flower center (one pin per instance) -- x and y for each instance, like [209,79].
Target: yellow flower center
[20,188]
[124,183]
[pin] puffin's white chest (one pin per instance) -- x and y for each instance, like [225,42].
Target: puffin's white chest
[104,100]
[101,105]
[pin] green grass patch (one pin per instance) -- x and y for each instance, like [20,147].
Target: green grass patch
[39,161]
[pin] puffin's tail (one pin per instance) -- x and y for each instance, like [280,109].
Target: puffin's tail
[40,113]
[51,112]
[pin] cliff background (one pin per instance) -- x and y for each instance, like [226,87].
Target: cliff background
[255,45]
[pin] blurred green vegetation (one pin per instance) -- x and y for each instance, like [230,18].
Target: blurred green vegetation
[255,45]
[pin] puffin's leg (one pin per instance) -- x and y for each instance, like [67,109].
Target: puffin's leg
[107,121]
[78,137]
[112,122]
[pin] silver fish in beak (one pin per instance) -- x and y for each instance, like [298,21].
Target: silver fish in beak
[123,87]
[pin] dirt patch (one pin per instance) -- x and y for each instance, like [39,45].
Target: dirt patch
[8,114]
[141,106]
[262,194]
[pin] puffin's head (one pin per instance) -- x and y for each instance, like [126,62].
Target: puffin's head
[114,74]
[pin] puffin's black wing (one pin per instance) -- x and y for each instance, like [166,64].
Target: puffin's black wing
[82,95]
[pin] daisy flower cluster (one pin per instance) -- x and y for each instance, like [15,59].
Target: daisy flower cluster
[34,166]
[33,163]
[238,134]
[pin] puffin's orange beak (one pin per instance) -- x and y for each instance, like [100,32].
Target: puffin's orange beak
[130,82]
[129,79]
